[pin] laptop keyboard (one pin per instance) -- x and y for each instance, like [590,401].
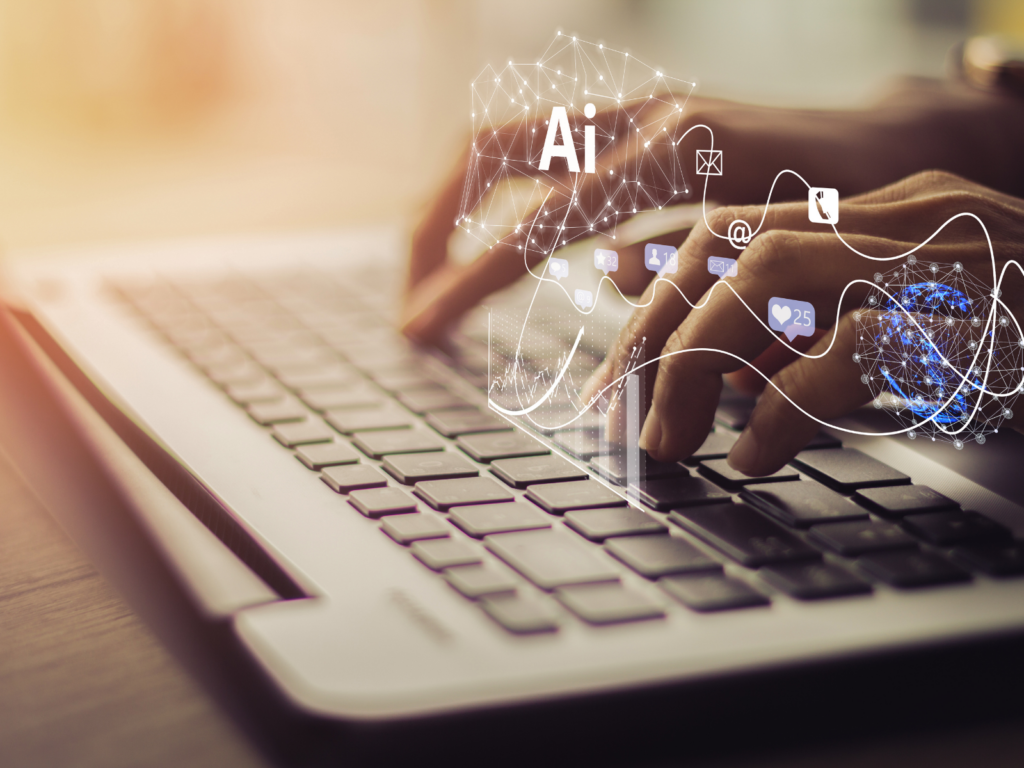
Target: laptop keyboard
[514,527]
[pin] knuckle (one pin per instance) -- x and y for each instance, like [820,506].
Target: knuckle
[772,251]
[936,178]
[719,218]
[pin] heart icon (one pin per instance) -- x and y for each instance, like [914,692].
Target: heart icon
[781,313]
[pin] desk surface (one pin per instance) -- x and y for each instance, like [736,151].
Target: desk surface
[84,682]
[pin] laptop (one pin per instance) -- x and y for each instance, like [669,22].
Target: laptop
[417,565]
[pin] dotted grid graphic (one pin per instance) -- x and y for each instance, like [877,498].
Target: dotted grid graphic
[632,109]
[940,352]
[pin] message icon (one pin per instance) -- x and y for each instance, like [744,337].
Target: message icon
[585,299]
[823,205]
[709,162]
[663,259]
[722,267]
[791,318]
[558,267]
[606,261]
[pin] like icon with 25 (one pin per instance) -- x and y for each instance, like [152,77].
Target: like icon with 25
[791,318]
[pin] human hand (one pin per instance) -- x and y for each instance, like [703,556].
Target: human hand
[756,142]
[794,258]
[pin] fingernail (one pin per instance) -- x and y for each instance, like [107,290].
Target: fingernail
[650,435]
[744,454]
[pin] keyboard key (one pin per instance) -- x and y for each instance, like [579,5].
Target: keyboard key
[351,478]
[302,433]
[674,492]
[277,412]
[900,500]
[399,381]
[719,471]
[520,473]
[488,446]
[377,445]
[744,534]
[656,556]
[342,399]
[349,422]
[411,468]
[823,440]
[235,373]
[476,581]
[377,502]
[847,469]
[802,504]
[814,581]
[994,558]
[521,616]
[251,392]
[438,554]
[716,446]
[455,423]
[557,498]
[219,355]
[406,529]
[862,536]
[912,568]
[282,356]
[614,467]
[326,455]
[707,592]
[484,519]
[445,494]
[600,524]
[551,558]
[584,444]
[734,412]
[609,603]
[954,527]
[318,379]
[428,400]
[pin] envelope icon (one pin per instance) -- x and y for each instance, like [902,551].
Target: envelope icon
[709,162]
[722,267]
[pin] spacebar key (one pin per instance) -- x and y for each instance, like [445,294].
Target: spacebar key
[551,558]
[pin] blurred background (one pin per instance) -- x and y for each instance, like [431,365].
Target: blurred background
[127,119]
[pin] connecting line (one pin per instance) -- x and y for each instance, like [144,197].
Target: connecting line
[547,395]
[762,375]
[989,325]
[989,328]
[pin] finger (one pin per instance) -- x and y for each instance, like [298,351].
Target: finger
[749,381]
[784,420]
[663,309]
[731,328]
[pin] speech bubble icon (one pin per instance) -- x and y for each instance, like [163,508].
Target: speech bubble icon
[558,267]
[722,267]
[663,259]
[606,261]
[790,317]
[585,299]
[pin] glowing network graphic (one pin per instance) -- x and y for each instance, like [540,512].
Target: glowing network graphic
[619,111]
[939,349]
